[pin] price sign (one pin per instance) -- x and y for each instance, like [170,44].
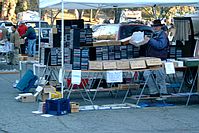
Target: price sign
[114,76]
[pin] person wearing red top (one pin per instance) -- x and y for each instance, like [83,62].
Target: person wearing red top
[22,28]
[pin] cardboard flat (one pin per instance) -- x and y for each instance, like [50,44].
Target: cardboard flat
[123,64]
[109,65]
[137,64]
[26,97]
[153,61]
[95,65]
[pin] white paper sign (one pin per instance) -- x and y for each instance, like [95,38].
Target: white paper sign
[60,76]
[169,67]
[20,65]
[76,77]
[114,76]
[39,88]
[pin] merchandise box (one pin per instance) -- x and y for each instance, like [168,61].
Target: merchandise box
[29,97]
[49,89]
[128,86]
[45,96]
[109,65]
[74,110]
[151,61]
[26,98]
[95,65]
[74,107]
[123,64]
[23,57]
[137,64]
[74,104]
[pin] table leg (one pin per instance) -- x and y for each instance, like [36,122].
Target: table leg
[143,89]
[191,89]
[198,80]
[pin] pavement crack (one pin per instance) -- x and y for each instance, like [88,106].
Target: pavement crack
[61,122]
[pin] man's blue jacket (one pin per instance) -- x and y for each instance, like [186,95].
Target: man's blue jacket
[158,45]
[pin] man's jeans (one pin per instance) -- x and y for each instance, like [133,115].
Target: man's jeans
[31,47]
[160,77]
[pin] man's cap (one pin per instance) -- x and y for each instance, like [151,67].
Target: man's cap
[156,22]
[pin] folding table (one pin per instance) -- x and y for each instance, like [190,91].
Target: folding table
[191,62]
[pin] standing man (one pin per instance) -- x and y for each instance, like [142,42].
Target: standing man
[15,39]
[31,36]
[157,47]
[22,28]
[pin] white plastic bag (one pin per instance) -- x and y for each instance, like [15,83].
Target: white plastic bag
[138,39]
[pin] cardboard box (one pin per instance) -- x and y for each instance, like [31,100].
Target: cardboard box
[109,65]
[153,61]
[95,65]
[49,89]
[45,96]
[26,97]
[23,58]
[75,110]
[137,64]
[29,97]
[126,86]
[74,107]
[123,64]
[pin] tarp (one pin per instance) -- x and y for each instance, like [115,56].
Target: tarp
[94,4]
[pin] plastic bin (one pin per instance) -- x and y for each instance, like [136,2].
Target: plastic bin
[57,106]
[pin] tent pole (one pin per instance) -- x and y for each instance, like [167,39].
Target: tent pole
[62,48]
[39,48]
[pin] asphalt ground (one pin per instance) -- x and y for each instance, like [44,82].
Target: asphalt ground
[17,117]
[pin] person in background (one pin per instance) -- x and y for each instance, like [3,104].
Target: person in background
[4,32]
[31,36]
[15,40]
[158,47]
[22,28]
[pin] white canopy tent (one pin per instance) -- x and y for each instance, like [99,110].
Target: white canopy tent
[88,4]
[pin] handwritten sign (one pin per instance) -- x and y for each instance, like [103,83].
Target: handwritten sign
[114,76]
[76,77]
[169,67]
